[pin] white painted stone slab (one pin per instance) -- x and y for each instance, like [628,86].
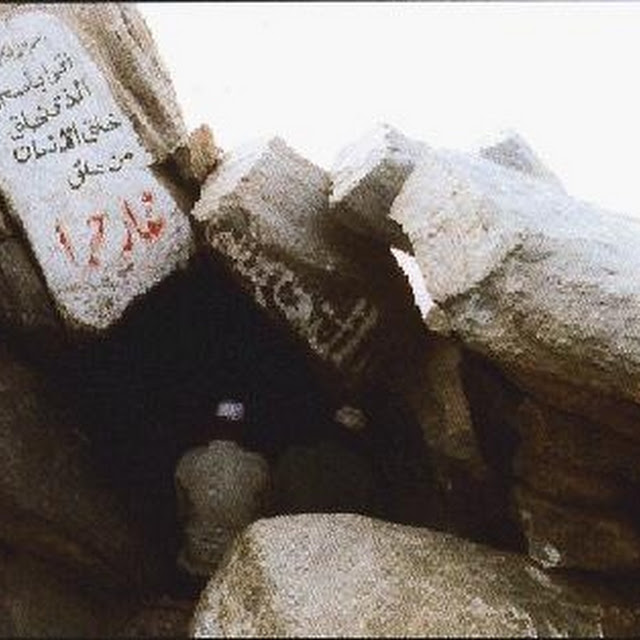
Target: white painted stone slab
[102,227]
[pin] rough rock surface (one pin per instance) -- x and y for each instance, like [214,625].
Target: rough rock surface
[511,150]
[53,504]
[472,490]
[544,287]
[86,114]
[524,274]
[221,489]
[576,494]
[366,177]
[563,535]
[264,213]
[346,575]
[198,156]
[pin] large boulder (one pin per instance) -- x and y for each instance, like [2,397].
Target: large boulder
[524,274]
[544,287]
[89,120]
[367,177]
[347,575]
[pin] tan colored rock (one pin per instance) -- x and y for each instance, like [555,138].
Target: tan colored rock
[467,410]
[221,489]
[87,114]
[366,177]
[441,401]
[197,158]
[472,492]
[620,416]
[345,575]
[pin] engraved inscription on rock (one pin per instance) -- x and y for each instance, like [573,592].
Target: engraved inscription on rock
[102,227]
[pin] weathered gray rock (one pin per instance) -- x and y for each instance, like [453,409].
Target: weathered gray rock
[346,575]
[264,213]
[53,503]
[511,150]
[221,489]
[524,274]
[324,477]
[367,175]
[127,55]
[87,114]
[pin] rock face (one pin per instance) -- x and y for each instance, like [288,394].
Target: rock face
[38,600]
[511,150]
[524,274]
[197,157]
[472,490]
[367,175]
[347,575]
[85,114]
[544,287]
[264,213]
[53,505]
[221,489]
[576,491]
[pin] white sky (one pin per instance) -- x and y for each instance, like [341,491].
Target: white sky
[564,75]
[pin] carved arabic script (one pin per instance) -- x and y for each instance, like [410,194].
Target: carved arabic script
[334,332]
